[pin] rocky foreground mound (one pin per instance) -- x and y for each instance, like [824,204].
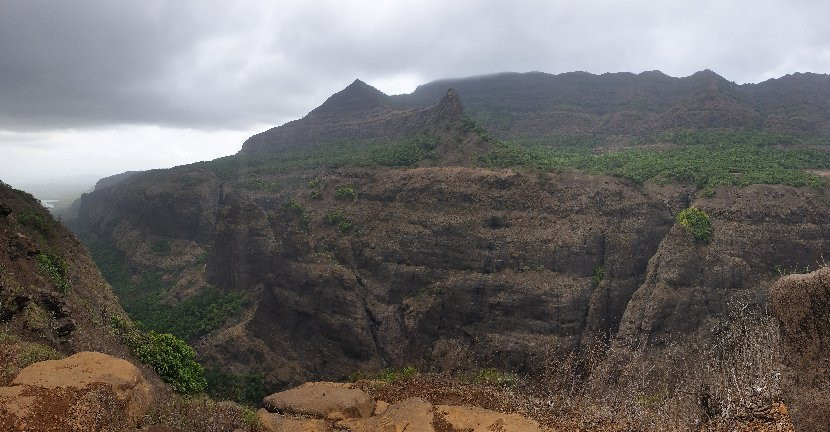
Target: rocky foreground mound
[323,406]
[88,391]
[802,305]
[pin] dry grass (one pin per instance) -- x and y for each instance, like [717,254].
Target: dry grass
[726,381]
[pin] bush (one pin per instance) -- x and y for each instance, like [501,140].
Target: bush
[245,388]
[346,193]
[696,221]
[598,276]
[338,218]
[161,247]
[172,358]
[55,267]
[35,220]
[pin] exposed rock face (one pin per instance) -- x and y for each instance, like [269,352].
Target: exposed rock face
[413,414]
[272,422]
[41,301]
[802,305]
[757,232]
[450,267]
[476,419]
[333,401]
[85,392]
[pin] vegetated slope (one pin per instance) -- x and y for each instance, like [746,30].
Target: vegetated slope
[53,300]
[365,236]
[534,104]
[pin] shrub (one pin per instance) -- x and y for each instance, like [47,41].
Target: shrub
[494,377]
[246,388]
[35,220]
[172,358]
[599,275]
[338,218]
[696,221]
[161,247]
[55,267]
[387,375]
[299,209]
[346,193]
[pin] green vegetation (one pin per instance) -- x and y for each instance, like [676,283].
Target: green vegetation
[598,276]
[35,220]
[394,153]
[16,355]
[346,193]
[387,375]
[259,184]
[340,219]
[697,222]
[143,297]
[706,158]
[314,183]
[172,358]
[161,247]
[298,209]
[470,125]
[55,268]
[245,388]
[493,376]
[225,167]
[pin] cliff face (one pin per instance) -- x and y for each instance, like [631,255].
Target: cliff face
[802,305]
[51,292]
[461,268]
[529,105]
[333,264]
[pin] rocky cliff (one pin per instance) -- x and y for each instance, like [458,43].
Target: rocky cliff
[801,303]
[534,104]
[366,236]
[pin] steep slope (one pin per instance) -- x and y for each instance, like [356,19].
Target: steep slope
[358,113]
[368,235]
[51,293]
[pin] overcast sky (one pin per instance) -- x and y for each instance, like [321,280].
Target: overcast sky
[102,86]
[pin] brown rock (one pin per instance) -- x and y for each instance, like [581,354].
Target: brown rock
[85,392]
[476,419]
[271,422]
[410,415]
[380,407]
[334,401]
[802,305]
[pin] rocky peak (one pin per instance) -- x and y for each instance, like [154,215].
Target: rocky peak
[357,98]
[448,110]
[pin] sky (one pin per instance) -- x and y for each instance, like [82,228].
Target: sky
[98,87]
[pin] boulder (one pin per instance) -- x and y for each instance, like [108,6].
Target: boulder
[333,401]
[476,419]
[801,303]
[410,415]
[271,422]
[88,391]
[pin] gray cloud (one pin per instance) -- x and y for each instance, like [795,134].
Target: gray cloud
[102,86]
[213,64]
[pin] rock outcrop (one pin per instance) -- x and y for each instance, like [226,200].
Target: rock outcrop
[412,414]
[332,401]
[87,391]
[476,419]
[801,302]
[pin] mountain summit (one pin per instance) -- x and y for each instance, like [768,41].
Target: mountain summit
[356,99]
[357,113]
